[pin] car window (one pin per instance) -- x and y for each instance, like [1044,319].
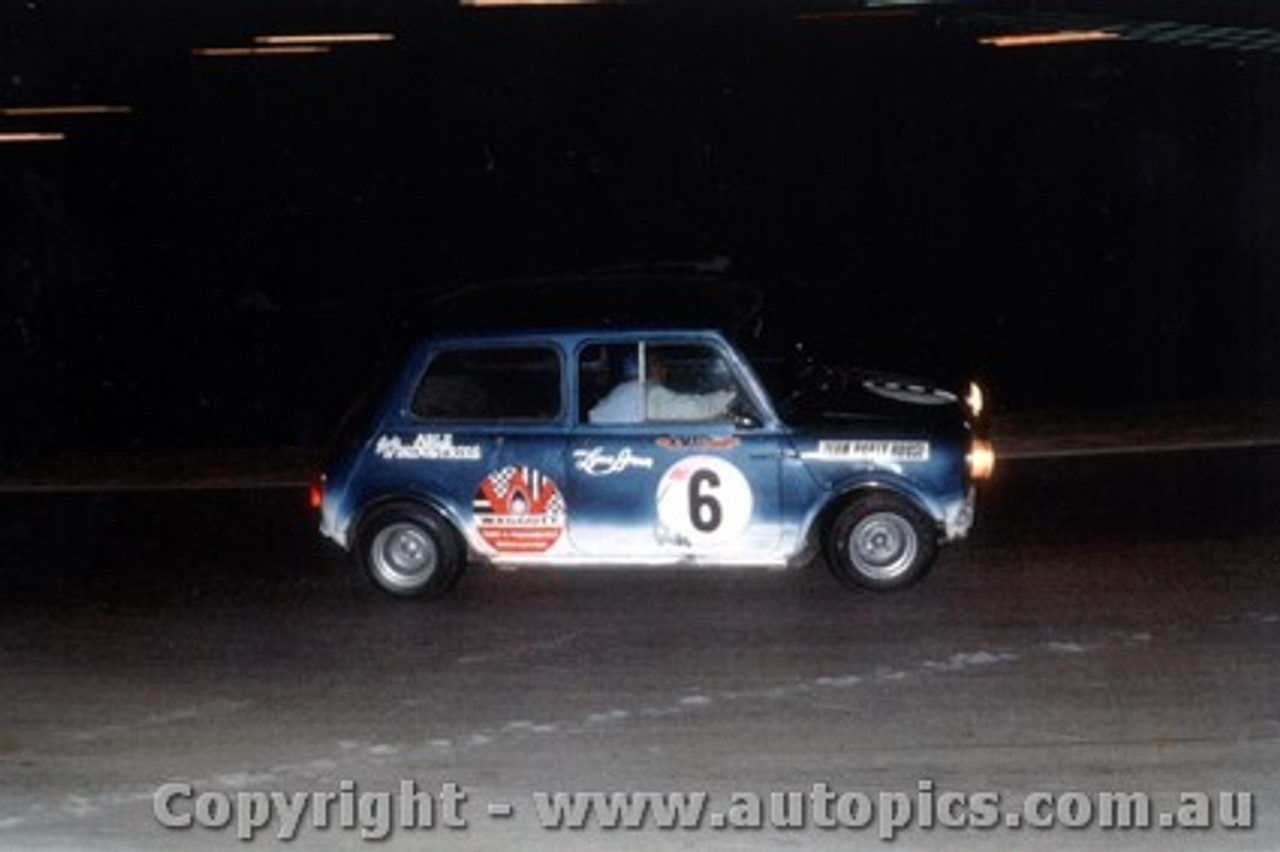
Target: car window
[490,384]
[605,372]
[656,382]
[688,382]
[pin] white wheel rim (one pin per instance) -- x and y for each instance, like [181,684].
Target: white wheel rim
[403,556]
[883,546]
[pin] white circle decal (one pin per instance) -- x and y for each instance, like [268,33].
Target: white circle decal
[909,393]
[702,501]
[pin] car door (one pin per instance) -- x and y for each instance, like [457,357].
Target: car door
[485,438]
[685,473]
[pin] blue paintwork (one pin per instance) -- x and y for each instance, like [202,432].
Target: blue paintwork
[654,493]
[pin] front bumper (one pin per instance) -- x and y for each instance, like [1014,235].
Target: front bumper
[958,519]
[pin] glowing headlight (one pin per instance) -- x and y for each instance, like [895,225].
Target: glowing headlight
[974,399]
[981,459]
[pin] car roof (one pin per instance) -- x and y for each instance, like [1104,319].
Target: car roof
[569,337]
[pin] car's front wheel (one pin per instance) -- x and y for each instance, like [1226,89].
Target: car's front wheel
[410,551]
[880,542]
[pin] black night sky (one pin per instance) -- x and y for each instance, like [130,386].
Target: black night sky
[230,261]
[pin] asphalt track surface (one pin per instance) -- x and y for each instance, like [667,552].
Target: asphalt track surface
[1110,627]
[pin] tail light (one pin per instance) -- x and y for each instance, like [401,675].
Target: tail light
[317,491]
[981,459]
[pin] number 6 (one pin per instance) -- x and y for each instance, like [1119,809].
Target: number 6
[705,512]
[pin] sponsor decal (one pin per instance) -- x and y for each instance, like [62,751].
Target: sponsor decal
[697,442]
[703,501]
[871,450]
[597,462]
[427,445]
[519,510]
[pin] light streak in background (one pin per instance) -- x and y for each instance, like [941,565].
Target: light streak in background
[324,38]
[23,136]
[281,50]
[511,4]
[876,14]
[63,109]
[1041,39]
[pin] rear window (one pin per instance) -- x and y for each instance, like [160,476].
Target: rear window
[490,384]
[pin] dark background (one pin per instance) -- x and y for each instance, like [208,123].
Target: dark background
[228,265]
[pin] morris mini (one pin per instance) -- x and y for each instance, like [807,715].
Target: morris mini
[648,447]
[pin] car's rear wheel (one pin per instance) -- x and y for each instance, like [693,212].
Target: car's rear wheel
[410,551]
[880,542]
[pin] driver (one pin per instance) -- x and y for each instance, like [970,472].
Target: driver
[623,404]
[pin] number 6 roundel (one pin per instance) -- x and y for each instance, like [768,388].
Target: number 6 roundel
[702,501]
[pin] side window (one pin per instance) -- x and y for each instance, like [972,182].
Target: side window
[609,384]
[689,382]
[501,383]
[658,382]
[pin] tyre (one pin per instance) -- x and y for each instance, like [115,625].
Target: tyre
[409,551]
[881,542]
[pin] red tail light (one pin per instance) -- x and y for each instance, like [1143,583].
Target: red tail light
[317,491]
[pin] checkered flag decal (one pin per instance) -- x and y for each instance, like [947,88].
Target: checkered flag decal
[543,494]
[519,510]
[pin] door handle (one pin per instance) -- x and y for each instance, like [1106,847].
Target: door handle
[773,454]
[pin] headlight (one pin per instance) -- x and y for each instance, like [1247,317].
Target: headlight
[981,459]
[974,399]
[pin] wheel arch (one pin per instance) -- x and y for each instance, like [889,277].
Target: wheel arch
[380,502]
[824,515]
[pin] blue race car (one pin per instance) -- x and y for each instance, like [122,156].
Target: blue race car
[655,446]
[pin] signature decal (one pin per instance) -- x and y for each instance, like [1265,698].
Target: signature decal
[597,462]
[427,445]
[871,450]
